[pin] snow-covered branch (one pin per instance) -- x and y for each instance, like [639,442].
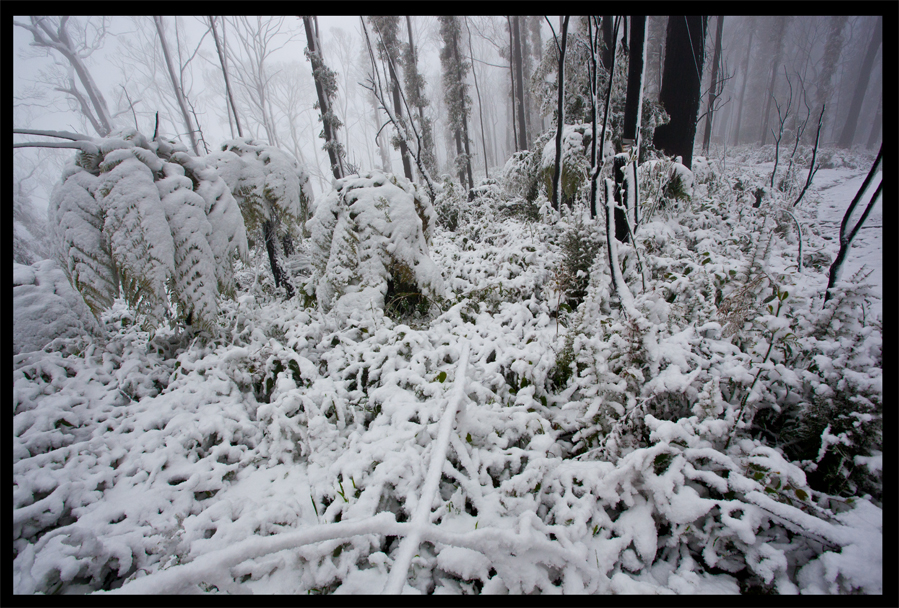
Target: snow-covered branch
[422,516]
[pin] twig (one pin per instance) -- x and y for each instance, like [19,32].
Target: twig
[421,519]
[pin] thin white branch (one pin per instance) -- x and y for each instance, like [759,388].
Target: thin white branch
[422,518]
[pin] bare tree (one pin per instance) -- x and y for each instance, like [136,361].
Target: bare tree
[75,42]
[388,48]
[405,130]
[777,42]
[179,96]
[744,71]
[224,64]
[847,236]
[257,40]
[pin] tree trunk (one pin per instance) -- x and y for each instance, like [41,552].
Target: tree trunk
[221,55]
[681,82]
[560,114]
[323,102]
[398,108]
[608,48]
[864,76]
[271,246]
[518,146]
[781,27]
[876,127]
[633,106]
[178,93]
[461,76]
[474,73]
[713,88]
[832,51]
[633,101]
[519,76]
[745,72]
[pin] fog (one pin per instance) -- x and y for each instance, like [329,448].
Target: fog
[814,61]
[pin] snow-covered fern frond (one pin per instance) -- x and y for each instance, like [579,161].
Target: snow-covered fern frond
[146,221]
[194,277]
[228,236]
[76,222]
[139,234]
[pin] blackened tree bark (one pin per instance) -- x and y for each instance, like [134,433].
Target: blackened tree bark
[714,89]
[519,77]
[864,76]
[560,111]
[632,104]
[681,81]
[744,71]
[608,48]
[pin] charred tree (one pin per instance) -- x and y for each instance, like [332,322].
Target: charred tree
[681,81]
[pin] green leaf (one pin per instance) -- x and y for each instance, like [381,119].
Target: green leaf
[801,494]
[468,437]
[441,377]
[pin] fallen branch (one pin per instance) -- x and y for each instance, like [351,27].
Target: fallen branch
[421,519]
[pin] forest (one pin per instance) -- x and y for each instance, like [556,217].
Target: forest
[447,305]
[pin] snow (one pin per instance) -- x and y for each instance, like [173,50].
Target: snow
[497,444]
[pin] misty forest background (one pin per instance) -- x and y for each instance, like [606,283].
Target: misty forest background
[331,304]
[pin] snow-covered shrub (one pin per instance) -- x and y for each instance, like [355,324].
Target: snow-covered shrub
[46,308]
[580,245]
[29,229]
[145,218]
[519,176]
[268,184]
[450,204]
[575,162]
[369,245]
[273,192]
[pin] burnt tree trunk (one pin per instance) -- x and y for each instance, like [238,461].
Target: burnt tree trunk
[681,81]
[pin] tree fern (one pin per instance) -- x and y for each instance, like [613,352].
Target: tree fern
[272,191]
[130,222]
[76,223]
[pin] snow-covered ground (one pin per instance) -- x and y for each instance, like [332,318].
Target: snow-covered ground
[591,451]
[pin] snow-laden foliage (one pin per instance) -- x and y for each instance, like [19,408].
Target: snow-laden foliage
[29,229]
[268,183]
[370,239]
[723,434]
[145,218]
[46,309]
